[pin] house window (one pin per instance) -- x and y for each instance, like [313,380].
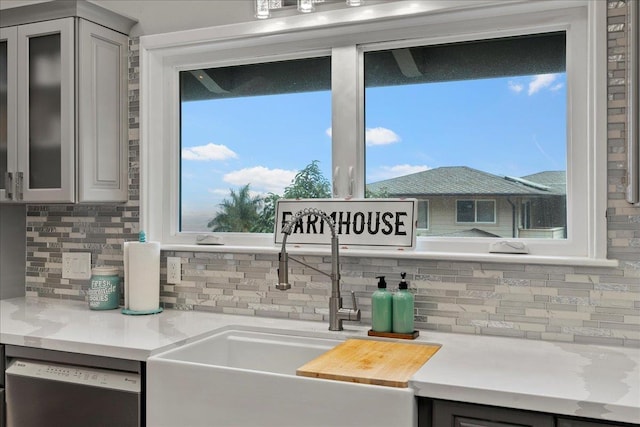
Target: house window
[525,215]
[476,211]
[423,214]
[465,211]
[424,68]
[485,211]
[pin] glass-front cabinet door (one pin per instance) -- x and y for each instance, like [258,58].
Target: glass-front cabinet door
[8,109]
[46,112]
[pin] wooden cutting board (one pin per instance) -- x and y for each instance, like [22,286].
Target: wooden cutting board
[370,362]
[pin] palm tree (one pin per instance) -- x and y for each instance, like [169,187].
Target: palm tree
[266,217]
[237,214]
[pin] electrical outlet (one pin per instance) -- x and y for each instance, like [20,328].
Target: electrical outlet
[76,265]
[174,270]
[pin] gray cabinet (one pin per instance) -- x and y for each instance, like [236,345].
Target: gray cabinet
[44,145]
[567,422]
[63,123]
[444,413]
[455,414]
[103,115]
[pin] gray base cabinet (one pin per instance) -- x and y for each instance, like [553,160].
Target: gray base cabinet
[565,422]
[456,414]
[444,413]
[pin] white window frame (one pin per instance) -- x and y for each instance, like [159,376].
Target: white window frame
[347,34]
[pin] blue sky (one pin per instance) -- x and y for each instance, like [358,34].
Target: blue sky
[506,126]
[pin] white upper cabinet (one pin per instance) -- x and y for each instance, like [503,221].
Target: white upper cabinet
[63,121]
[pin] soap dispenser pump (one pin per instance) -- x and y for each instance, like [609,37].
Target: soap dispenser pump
[381,301]
[402,308]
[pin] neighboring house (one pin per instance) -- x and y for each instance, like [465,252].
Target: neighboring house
[466,202]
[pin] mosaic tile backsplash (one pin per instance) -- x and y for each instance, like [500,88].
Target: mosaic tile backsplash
[544,302]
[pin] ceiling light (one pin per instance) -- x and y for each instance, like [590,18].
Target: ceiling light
[305,6]
[264,7]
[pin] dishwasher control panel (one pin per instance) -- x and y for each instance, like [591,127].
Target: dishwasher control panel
[93,377]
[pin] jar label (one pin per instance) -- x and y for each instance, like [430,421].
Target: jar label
[104,292]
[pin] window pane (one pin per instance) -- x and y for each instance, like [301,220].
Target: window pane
[250,134]
[470,121]
[466,211]
[485,211]
[423,214]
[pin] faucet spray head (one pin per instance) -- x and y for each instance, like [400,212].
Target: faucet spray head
[283,258]
[283,272]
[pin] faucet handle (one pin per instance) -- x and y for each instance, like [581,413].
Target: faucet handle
[355,310]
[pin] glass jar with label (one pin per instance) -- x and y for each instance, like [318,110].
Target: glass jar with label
[104,290]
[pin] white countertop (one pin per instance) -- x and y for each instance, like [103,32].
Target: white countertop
[572,379]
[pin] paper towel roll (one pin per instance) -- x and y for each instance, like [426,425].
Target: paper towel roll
[142,276]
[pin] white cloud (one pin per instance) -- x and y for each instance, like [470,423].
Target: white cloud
[388,172]
[556,87]
[376,136]
[261,178]
[219,191]
[515,87]
[208,152]
[381,136]
[540,82]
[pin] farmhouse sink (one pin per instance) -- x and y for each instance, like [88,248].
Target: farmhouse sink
[248,378]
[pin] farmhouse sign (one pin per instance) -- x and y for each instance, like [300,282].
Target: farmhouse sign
[358,222]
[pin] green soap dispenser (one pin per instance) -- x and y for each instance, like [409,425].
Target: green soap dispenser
[402,308]
[381,307]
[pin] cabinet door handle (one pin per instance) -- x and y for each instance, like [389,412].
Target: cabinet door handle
[19,186]
[8,185]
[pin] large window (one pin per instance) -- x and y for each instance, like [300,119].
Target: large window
[493,114]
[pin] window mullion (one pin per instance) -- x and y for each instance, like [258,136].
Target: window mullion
[347,122]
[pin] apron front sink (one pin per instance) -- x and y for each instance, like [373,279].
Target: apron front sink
[248,378]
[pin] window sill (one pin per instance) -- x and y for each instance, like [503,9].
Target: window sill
[400,254]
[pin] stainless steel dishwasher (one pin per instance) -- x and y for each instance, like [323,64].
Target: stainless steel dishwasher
[56,389]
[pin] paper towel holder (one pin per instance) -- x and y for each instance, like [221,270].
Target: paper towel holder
[142,240]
